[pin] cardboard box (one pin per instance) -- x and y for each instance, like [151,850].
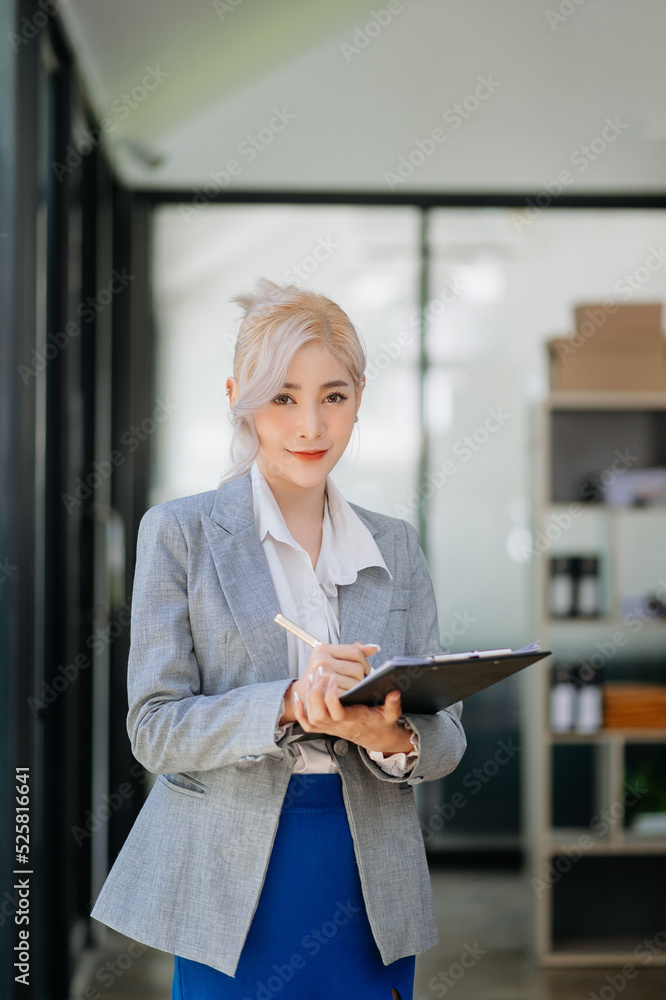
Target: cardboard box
[634,325]
[580,346]
[643,314]
[624,339]
[584,369]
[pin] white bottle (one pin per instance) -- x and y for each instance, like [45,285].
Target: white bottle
[589,709]
[561,592]
[562,701]
[588,587]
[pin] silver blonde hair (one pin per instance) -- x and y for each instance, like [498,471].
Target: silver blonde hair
[277,321]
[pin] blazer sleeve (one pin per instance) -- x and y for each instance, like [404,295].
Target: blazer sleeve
[172,726]
[441,737]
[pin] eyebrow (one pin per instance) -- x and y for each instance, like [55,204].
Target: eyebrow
[326,385]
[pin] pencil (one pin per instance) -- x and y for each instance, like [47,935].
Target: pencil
[296,630]
[300,633]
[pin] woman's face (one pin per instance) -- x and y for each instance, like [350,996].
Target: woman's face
[313,413]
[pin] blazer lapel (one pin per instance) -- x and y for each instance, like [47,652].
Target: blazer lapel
[243,572]
[245,578]
[364,604]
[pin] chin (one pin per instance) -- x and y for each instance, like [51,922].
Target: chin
[308,473]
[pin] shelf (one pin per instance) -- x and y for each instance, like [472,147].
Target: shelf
[653,623]
[575,440]
[606,400]
[601,951]
[574,620]
[645,735]
[647,845]
[603,509]
[567,842]
[469,843]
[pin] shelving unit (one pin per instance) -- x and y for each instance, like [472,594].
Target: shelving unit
[564,860]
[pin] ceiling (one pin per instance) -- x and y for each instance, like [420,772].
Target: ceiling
[321,95]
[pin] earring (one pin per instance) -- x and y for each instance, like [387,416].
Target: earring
[356,419]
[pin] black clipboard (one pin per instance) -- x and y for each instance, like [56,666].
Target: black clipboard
[430,683]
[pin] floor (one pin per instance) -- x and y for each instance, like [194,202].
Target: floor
[481,915]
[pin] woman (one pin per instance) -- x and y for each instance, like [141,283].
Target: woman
[267,860]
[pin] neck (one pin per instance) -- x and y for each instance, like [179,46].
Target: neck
[297,503]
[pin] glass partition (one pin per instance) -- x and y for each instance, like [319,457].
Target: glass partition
[502,282]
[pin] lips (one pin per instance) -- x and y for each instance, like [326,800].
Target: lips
[309,456]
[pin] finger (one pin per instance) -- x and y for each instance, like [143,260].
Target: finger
[351,669]
[352,651]
[316,706]
[301,714]
[363,651]
[320,679]
[392,706]
[369,649]
[347,681]
[335,709]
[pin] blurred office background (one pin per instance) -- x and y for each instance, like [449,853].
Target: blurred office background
[459,177]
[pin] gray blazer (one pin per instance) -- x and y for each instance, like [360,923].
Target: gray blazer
[207,671]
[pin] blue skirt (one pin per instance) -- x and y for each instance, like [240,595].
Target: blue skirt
[310,938]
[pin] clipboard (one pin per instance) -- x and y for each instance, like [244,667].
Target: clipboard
[430,683]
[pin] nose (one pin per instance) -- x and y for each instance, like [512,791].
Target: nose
[311,423]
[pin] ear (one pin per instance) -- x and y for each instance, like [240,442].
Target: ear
[359,391]
[231,389]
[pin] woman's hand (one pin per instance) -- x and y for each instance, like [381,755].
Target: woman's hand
[348,663]
[317,705]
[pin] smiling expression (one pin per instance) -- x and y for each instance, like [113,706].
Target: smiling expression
[304,430]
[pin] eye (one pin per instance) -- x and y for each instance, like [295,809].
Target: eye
[282,395]
[339,394]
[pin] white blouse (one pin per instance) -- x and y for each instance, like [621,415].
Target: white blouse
[309,597]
